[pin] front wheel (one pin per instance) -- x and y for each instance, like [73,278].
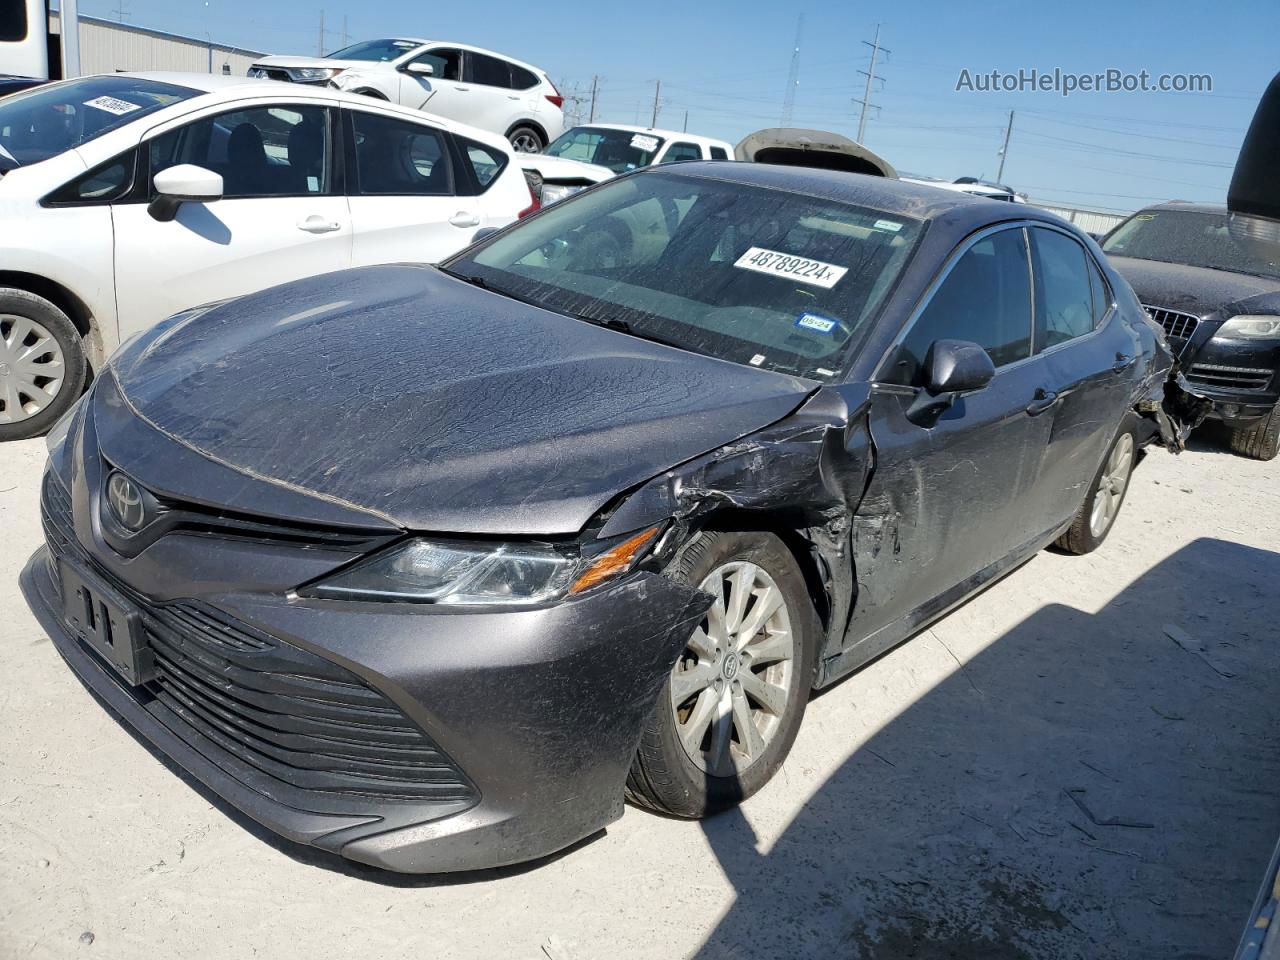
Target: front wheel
[42,364]
[1105,497]
[1260,439]
[525,139]
[728,713]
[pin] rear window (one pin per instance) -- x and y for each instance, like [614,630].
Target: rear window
[522,79]
[485,162]
[489,71]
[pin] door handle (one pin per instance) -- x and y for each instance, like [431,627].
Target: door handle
[318,224]
[464,219]
[1043,400]
[463,89]
[1123,362]
[512,96]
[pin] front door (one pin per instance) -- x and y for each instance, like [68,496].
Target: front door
[948,500]
[281,217]
[443,88]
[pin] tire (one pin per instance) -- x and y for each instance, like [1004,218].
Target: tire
[1086,534]
[36,388]
[664,775]
[526,139]
[1260,439]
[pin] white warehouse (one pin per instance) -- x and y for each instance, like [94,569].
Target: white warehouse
[107,46]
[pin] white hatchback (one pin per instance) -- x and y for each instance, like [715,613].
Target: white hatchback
[128,197]
[454,80]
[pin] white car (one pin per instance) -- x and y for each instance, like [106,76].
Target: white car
[128,197]
[595,152]
[454,80]
[973,186]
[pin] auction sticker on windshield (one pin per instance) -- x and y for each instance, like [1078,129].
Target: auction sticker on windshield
[112,105]
[644,144]
[813,272]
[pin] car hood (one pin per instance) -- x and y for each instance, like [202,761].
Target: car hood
[560,169]
[435,405]
[1198,290]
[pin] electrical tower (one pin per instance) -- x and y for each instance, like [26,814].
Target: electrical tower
[793,77]
[871,78]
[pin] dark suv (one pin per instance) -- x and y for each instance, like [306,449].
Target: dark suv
[1211,278]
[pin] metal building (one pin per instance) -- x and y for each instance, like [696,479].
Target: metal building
[107,46]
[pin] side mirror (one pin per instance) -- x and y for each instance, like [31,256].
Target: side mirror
[954,367]
[421,69]
[182,184]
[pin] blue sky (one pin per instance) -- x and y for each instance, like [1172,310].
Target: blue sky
[727,65]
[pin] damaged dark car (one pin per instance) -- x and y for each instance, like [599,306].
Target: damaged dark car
[1211,278]
[433,567]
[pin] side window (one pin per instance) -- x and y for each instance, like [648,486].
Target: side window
[1064,294]
[489,71]
[719,153]
[1101,293]
[522,79]
[395,157]
[445,64]
[485,162]
[262,152]
[985,298]
[682,151]
[106,183]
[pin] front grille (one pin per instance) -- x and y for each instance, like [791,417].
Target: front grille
[292,715]
[1177,325]
[1230,378]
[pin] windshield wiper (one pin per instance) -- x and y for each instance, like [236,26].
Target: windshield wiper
[484,284]
[622,326]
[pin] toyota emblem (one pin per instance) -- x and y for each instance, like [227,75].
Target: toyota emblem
[127,503]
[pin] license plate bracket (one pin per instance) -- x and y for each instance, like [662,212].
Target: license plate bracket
[107,623]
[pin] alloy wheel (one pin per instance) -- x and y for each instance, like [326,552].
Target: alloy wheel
[526,143]
[1115,478]
[731,687]
[32,370]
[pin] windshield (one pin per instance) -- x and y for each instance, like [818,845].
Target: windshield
[619,150]
[376,50]
[757,276]
[1220,241]
[41,123]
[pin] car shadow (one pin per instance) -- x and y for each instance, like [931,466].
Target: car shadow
[1091,785]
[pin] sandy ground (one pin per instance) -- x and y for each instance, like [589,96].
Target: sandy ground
[942,803]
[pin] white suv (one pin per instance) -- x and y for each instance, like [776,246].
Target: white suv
[454,80]
[128,197]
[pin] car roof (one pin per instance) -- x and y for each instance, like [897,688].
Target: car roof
[889,195]
[1176,205]
[654,131]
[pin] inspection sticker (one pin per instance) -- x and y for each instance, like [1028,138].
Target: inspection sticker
[815,272]
[811,321]
[891,225]
[647,144]
[112,105]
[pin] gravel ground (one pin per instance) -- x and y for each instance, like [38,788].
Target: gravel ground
[949,801]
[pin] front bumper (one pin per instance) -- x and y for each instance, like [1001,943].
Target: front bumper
[540,709]
[1241,378]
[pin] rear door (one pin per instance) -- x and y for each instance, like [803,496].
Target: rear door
[1088,357]
[282,216]
[947,502]
[494,104]
[403,191]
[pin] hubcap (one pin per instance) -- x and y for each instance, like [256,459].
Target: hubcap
[31,368]
[525,144]
[731,686]
[1115,478]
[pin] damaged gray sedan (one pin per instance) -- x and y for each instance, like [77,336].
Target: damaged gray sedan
[432,567]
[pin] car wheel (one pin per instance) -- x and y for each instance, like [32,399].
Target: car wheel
[1259,439]
[42,364]
[729,711]
[525,139]
[1105,497]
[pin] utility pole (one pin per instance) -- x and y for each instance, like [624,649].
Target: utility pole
[657,91]
[793,76]
[346,37]
[685,128]
[120,11]
[871,78]
[595,87]
[320,51]
[1004,151]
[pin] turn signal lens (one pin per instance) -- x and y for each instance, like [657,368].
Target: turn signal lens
[615,561]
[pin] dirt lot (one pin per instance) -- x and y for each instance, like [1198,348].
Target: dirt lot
[942,803]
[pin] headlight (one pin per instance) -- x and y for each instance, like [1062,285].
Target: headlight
[456,572]
[314,73]
[1247,327]
[551,192]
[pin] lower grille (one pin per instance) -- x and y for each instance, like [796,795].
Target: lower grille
[1177,325]
[290,714]
[1230,378]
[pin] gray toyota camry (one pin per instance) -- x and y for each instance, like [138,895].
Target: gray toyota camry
[433,566]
